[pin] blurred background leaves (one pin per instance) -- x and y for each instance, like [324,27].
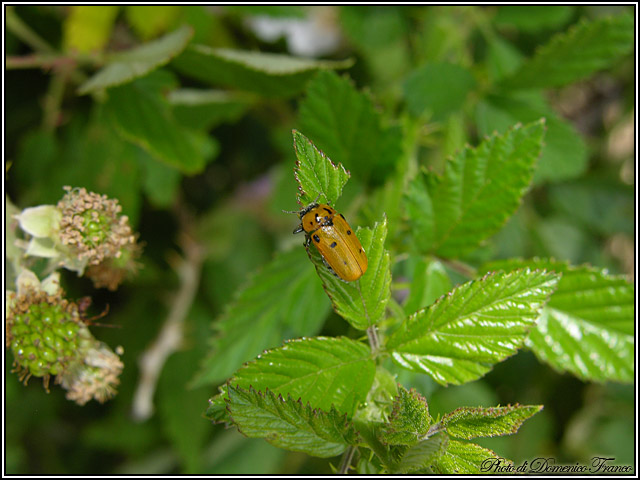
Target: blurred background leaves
[196,139]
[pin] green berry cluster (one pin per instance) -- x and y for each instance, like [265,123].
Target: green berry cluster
[44,337]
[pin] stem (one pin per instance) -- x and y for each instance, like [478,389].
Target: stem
[347,457]
[438,427]
[36,60]
[170,337]
[21,30]
[52,104]
[372,334]
[460,267]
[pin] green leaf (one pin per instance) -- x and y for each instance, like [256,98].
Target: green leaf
[217,409]
[282,300]
[461,336]
[533,18]
[587,328]
[451,214]
[88,27]
[288,424]
[584,49]
[438,88]
[268,74]
[142,116]
[361,303]
[564,154]
[422,455]
[466,458]
[409,419]
[206,109]
[345,124]
[135,63]
[160,182]
[315,173]
[430,281]
[149,21]
[502,58]
[188,433]
[468,422]
[230,453]
[605,206]
[325,372]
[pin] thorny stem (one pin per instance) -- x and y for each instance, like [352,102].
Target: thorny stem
[347,457]
[168,341]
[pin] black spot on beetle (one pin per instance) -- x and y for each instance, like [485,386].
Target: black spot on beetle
[328,210]
[343,217]
[333,245]
[348,232]
[344,261]
[316,238]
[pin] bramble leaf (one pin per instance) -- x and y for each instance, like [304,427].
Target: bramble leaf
[564,154]
[138,62]
[269,74]
[584,49]
[461,336]
[468,422]
[316,174]
[481,188]
[142,116]
[466,458]
[420,457]
[322,371]
[438,88]
[282,299]
[344,123]
[288,424]
[587,328]
[409,419]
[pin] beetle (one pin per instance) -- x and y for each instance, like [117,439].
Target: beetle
[335,240]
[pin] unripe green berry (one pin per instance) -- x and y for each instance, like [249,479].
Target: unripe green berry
[29,353]
[48,355]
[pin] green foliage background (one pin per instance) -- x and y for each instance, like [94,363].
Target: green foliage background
[196,140]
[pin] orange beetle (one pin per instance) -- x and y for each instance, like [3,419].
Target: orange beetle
[337,243]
